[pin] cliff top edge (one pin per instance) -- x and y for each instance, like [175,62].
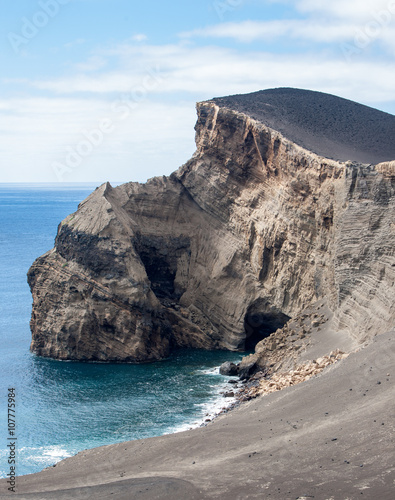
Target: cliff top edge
[325,124]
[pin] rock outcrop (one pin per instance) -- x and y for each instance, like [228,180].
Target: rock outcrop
[225,251]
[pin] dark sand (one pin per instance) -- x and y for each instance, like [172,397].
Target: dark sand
[331,437]
[329,126]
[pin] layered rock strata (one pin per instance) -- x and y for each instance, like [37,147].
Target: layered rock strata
[222,253]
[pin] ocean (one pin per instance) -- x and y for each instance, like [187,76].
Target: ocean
[65,407]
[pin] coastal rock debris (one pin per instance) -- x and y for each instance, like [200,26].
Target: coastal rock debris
[301,373]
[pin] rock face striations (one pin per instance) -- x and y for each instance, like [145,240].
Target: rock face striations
[251,231]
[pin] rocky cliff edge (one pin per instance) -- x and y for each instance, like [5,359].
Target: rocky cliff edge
[255,236]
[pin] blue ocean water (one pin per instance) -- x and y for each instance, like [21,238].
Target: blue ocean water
[65,407]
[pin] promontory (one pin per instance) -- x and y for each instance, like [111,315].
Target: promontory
[287,202]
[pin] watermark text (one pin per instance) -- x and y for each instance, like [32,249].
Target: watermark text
[30,28]
[11,440]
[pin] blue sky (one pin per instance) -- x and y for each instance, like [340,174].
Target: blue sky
[96,90]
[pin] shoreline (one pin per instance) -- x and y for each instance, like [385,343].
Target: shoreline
[213,407]
[38,457]
[331,436]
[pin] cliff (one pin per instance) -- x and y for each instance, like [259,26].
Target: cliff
[253,231]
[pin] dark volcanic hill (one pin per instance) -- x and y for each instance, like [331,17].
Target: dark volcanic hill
[327,125]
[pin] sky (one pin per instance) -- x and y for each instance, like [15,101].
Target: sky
[105,90]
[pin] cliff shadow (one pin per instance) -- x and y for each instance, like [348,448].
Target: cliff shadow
[260,321]
[162,258]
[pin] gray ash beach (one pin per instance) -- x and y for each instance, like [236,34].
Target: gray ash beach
[330,437]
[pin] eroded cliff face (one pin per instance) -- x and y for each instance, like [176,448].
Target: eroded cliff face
[246,235]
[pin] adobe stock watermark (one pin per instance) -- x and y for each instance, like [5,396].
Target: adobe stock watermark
[369,32]
[222,7]
[49,9]
[92,139]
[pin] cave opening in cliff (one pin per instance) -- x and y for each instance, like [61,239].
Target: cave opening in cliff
[160,274]
[161,258]
[260,321]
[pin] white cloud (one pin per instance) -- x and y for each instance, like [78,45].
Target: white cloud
[140,37]
[138,87]
[362,10]
[356,10]
[35,133]
[79,41]
[360,23]
[152,138]
[94,63]
[388,38]
[205,72]
[248,31]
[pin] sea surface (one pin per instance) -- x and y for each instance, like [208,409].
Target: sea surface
[65,407]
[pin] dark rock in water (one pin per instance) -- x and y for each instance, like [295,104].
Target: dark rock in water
[229,369]
[229,395]
[248,366]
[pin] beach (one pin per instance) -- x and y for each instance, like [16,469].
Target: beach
[329,437]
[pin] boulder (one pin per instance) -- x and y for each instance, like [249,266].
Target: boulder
[229,369]
[249,366]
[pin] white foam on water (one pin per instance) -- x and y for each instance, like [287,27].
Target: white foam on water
[43,456]
[210,371]
[5,469]
[210,409]
[56,452]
